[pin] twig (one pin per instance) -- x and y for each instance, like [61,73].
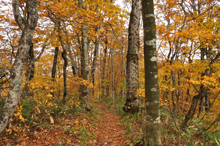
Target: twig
[45,43]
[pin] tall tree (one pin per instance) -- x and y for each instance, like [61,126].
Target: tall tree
[132,101]
[64,75]
[94,64]
[27,26]
[152,135]
[30,70]
[104,65]
[53,75]
[84,63]
[54,66]
[64,56]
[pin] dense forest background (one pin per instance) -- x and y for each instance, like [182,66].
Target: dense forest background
[79,56]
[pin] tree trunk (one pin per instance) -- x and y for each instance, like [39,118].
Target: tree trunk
[192,109]
[30,70]
[15,86]
[123,71]
[94,66]
[84,68]
[103,71]
[53,75]
[203,99]
[132,101]
[64,76]
[113,83]
[64,56]
[72,61]
[108,77]
[173,92]
[152,133]
[84,64]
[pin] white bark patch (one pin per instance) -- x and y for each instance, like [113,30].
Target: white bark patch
[155,76]
[149,15]
[17,82]
[148,103]
[151,43]
[156,101]
[154,58]
[153,89]
[157,120]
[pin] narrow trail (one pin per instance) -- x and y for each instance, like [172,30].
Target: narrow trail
[109,131]
[75,131]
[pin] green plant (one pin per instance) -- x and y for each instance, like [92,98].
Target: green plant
[69,129]
[58,144]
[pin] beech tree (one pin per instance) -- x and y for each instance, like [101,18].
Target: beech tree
[152,135]
[132,101]
[27,25]
[84,63]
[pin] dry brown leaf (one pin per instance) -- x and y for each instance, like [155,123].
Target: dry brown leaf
[51,120]
[38,110]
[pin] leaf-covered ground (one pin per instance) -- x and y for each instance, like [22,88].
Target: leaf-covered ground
[109,131]
[101,129]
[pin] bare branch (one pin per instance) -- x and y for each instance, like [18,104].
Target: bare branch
[18,18]
[45,43]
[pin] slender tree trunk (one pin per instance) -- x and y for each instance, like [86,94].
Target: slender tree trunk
[132,101]
[108,77]
[192,109]
[202,100]
[152,132]
[124,71]
[94,66]
[64,56]
[15,86]
[173,93]
[103,67]
[70,55]
[72,61]
[78,55]
[113,83]
[54,67]
[64,75]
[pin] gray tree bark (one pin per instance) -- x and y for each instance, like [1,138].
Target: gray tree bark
[84,64]
[152,134]
[103,67]
[124,71]
[94,65]
[15,88]
[113,83]
[132,101]
[30,70]
[73,64]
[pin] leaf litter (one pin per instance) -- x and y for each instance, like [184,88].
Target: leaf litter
[82,130]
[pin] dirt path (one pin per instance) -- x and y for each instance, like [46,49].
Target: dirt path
[109,131]
[75,131]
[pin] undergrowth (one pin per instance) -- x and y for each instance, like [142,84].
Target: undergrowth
[31,117]
[194,134]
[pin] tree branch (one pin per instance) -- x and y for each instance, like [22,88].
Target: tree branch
[45,42]
[17,16]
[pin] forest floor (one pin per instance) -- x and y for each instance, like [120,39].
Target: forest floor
[97,129]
